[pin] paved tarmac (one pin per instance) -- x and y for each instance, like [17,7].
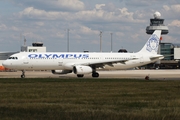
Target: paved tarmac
[130,74]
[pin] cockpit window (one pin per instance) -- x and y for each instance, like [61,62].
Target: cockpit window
[13,58]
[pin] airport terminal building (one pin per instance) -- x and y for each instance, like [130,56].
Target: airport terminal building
[170,51]
[171,54]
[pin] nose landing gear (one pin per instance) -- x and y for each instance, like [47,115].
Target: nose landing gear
[23,74]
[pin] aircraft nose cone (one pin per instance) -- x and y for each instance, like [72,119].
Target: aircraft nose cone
[6,64]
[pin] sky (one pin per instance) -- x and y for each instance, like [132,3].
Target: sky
[48,21]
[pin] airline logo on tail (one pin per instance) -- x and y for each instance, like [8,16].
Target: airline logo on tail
[152,43]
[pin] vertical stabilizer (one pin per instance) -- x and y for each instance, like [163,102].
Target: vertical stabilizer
[152,44]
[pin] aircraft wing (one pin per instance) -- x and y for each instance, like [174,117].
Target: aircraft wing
[103,63]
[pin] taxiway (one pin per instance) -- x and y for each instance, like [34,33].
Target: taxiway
[130,74]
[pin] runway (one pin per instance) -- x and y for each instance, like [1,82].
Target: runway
[172,74]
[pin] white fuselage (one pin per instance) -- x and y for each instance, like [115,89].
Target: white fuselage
[66,61]
[85,63]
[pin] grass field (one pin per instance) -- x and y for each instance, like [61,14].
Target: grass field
[89,99]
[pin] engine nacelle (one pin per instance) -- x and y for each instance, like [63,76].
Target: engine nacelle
[61,71]
[82,70]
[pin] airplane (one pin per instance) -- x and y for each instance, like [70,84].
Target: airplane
[81,63]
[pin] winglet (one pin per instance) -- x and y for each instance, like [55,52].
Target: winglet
[152,44]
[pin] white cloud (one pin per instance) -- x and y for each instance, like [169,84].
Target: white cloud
[60,35]
[70,4]
[175,23]
[32,36]
[40,23]
[14,28]
[172,8]
[119,15]
[3,27]
[99,6]
[52,5]
[96,14]
[167,8]
[47,20]
[119,34]
[87,30]
[124,13]
[176,8]
[33,13]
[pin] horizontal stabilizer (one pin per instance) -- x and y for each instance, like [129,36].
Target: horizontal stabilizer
[159,57]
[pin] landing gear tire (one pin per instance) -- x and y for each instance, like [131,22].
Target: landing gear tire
[95,74]
[23,74]
[79,76]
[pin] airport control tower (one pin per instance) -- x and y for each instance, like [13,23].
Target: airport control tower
[157,24]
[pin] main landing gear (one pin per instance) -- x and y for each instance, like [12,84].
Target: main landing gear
[80,76]
[23,74]
[94,74]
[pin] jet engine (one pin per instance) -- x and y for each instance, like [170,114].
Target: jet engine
[82,70]
[61,71]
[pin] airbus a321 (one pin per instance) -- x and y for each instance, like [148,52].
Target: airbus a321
[81,63]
